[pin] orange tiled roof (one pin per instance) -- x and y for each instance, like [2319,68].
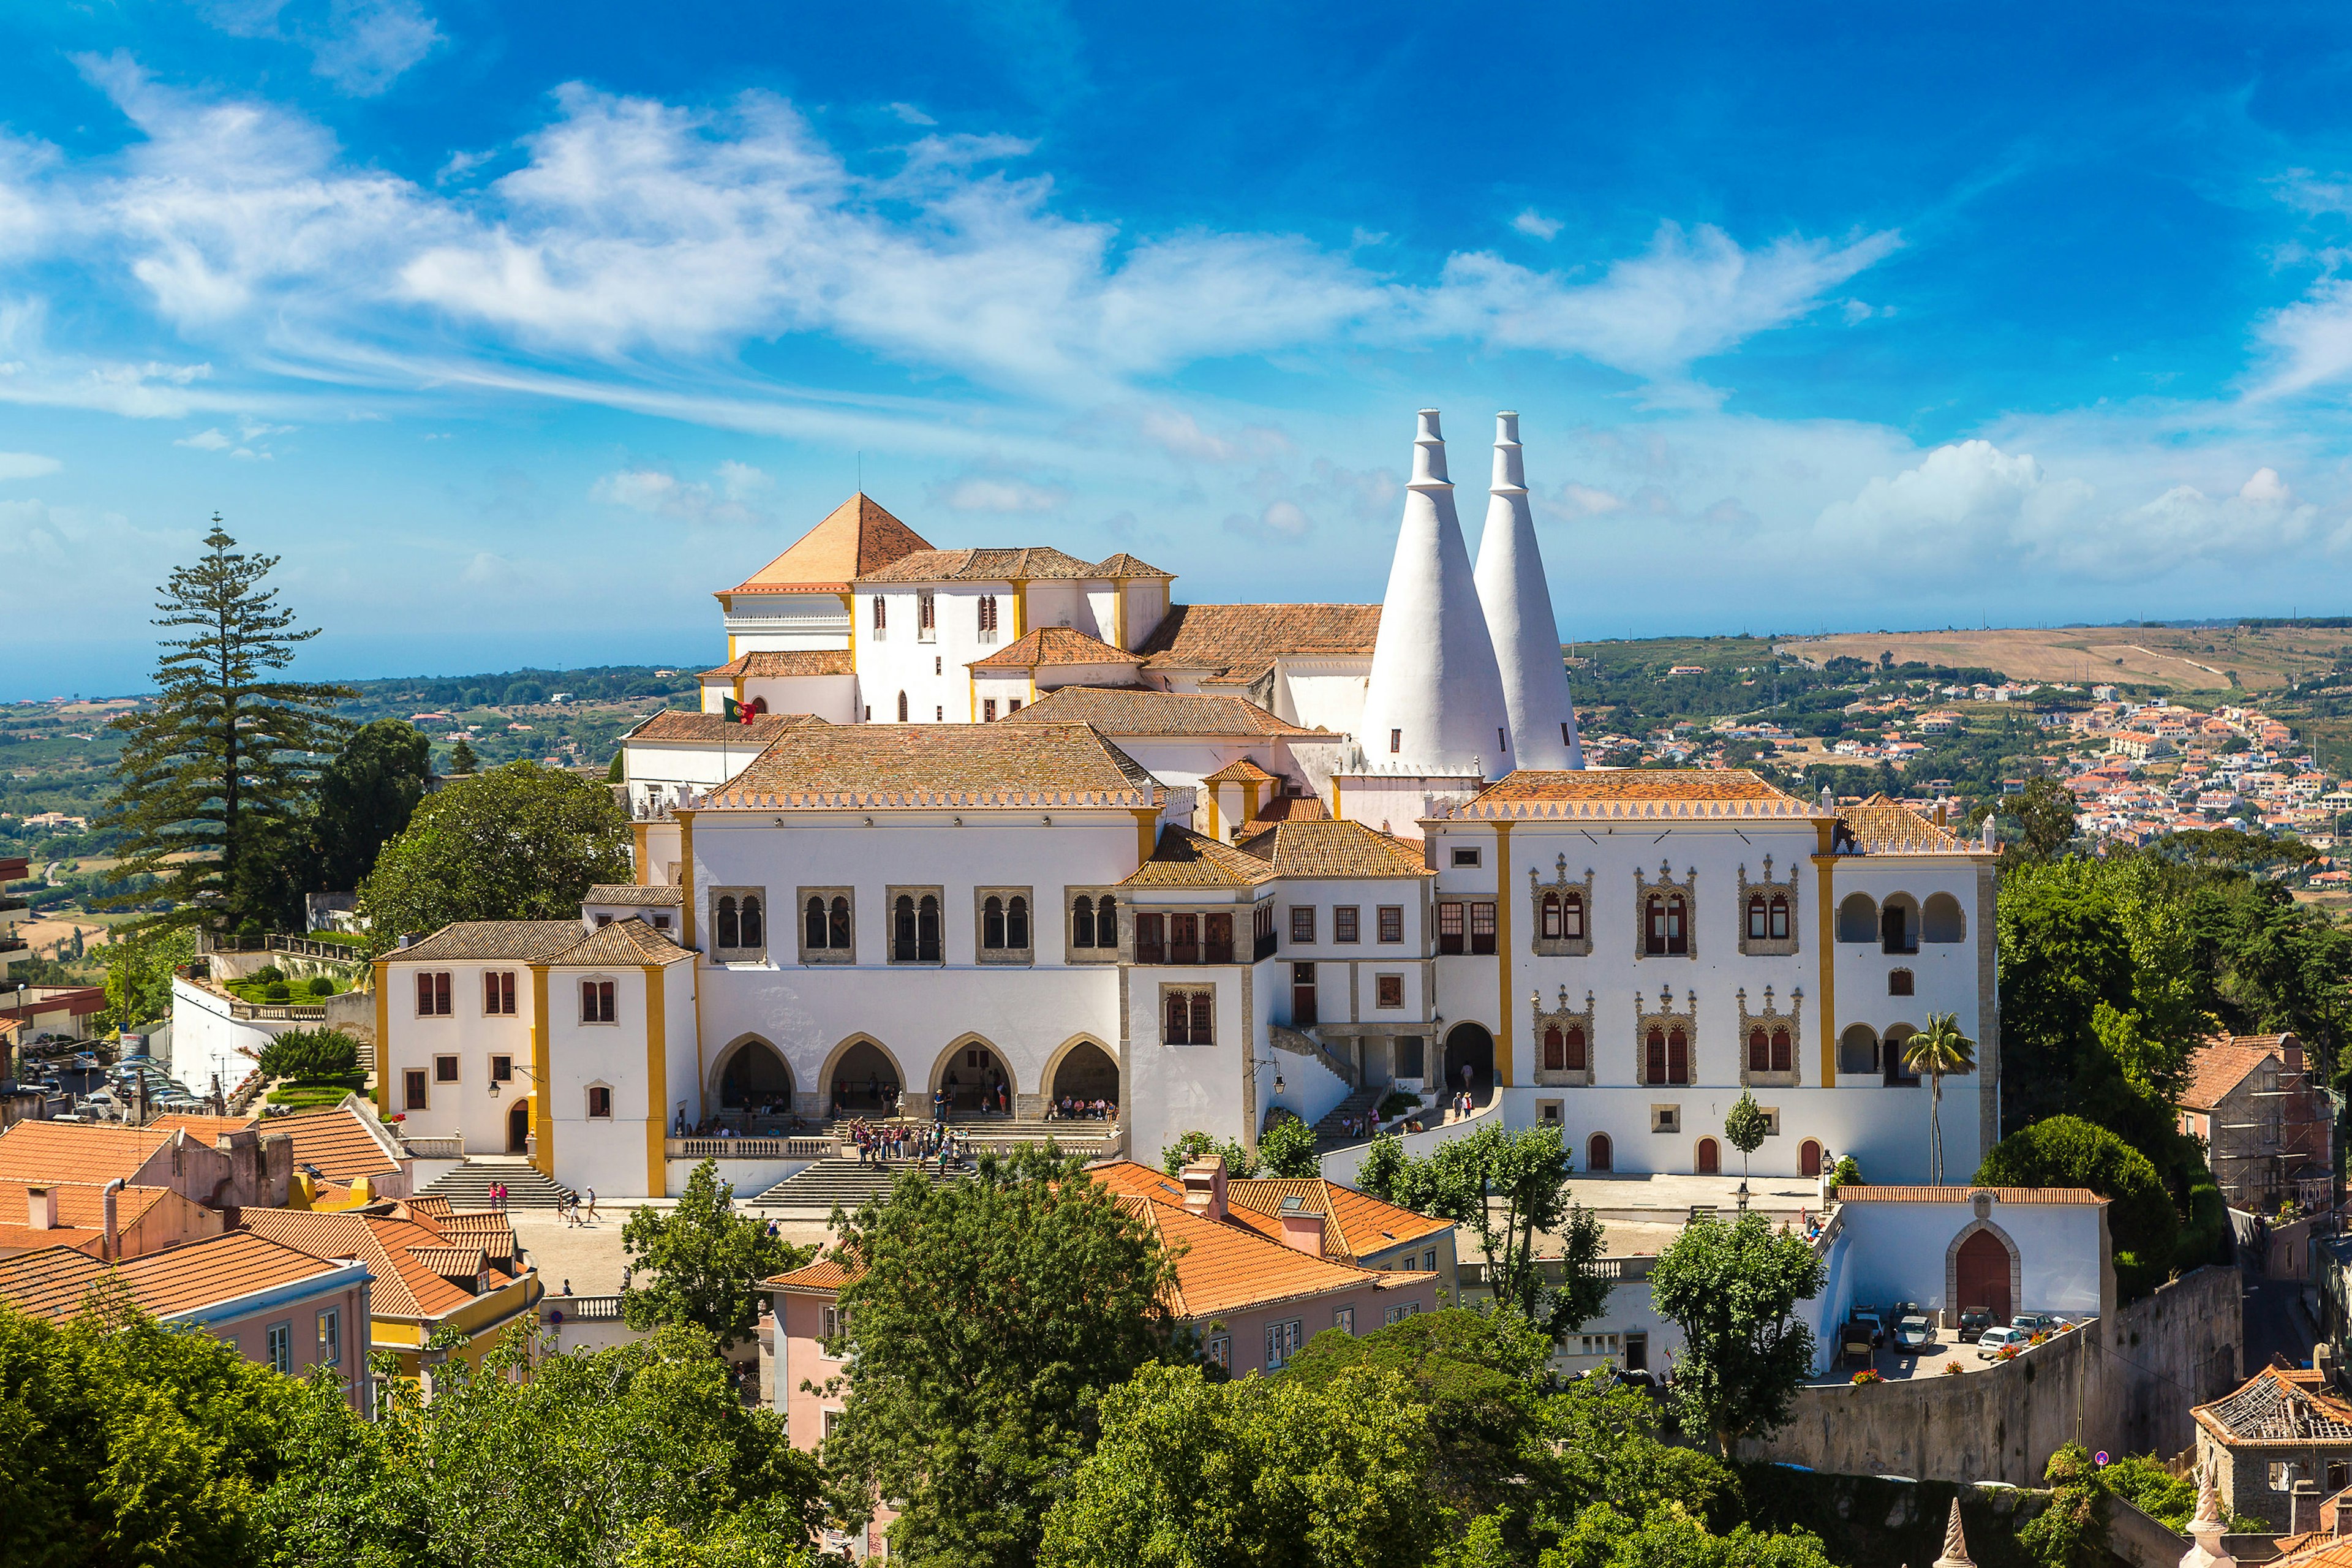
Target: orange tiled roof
[940,764]
[405,1285]
[1183,858]
[1141,711]
[1054,645]
[488,1229]
[204,1130]
[1241,770]
[627,943]
[518,941]
[1883,827]
[776,664]
[54,1283]
[1329,848]
[856,537]
[1899,1194]
[1646,792]
[336,1139]
[1029,564]
[661,896]
[2277,1405]
[2222,1064]
[64,1151]
[1284,808]
[1242,641]
[677,724]
[826,1274]
[1125,565]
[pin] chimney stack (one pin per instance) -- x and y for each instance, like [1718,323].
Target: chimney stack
[1304,1231]
[41,1207]
[105,1201]
[1204,1188]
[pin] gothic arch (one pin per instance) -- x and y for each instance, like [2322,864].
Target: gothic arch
[1062,1053]
[716,1076]
[970,1076]
[836,1057]
[1981,1225]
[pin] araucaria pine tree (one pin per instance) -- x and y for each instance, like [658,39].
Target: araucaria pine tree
[215,773]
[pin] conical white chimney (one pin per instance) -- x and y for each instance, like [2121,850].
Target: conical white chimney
[1517,605]
[1435,704]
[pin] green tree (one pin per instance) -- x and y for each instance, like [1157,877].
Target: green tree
[1197,1145]
[219,767]
[1745,1127]
[1731,1288]
[1288,1149]
[2046,812]
[988,1318]
[311,1055]
[520,843]
[366,796]
[2072,1533]
[1939,1049]
[1191,1473]
[707,1262]
[643,1455]
[2068,1152]
[1671,1536]
[1508,1188]
[462,762]
[139,967]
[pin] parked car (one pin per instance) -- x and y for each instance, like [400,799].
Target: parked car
[1974,1322]
[1877,1325]
[1914,1333]
[1993,1341]
[2033,1322]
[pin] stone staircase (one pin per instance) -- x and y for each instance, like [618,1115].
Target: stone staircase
[468,1186]
[1331,1133]
[849,1183]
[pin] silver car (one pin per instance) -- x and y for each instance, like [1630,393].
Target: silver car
[1914,1333]
[1992,1341]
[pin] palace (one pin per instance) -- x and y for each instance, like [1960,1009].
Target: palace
[1012,828]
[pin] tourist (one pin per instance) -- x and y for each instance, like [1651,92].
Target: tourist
[592,1205]
[567,1287]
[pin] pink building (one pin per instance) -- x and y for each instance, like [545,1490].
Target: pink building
[1262,1267]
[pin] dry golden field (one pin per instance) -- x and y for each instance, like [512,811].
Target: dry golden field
[2196,659]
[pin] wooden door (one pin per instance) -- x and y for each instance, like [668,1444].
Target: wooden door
[1984,1276]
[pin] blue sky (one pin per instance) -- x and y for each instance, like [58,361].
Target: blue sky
[517,329]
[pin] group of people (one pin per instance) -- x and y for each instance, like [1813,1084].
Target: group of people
[781,1123]
[568,1207]
[881,1143]
[1069,1109]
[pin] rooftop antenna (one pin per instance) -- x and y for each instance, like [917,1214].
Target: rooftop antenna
[861,473]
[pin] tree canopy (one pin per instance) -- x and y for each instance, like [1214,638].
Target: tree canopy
[521,842]
[705,1262]
[2068,1152]
[311,1055]
[1288,1149]
[365,797]
[1731,1286]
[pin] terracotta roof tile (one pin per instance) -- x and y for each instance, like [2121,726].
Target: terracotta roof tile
[1335,849]
[781,664]
[1900,1194]
[936,764]
[1136,710]
[1242,641]
[627,943]
[194,1275]
[1125,565]
[2221,1065]
[1284,809]
[337,1142]
[204,1130]
[1052,646]
[1183,858]
[63,1152]
[81,1212]
[856,537]
[522,941]
[1882,826]
[824,1274]
[1032,564]
[660,896]
[1241,770]
[676,724]
[488,1229]
[1643,793]
[405,1285]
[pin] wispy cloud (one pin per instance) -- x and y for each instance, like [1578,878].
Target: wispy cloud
[1535,226]
[26,466]
[361,45]
[730,497]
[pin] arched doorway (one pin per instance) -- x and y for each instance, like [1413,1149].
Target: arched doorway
[755,1080]
[865,1080]
[1980,1274]
[1808,1157]
[973,1076]
[1470,1048]
[1598,1155]
[1710,1157]
[519,1128]
[1085,1072]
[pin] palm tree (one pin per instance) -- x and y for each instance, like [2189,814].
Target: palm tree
[1939,1049]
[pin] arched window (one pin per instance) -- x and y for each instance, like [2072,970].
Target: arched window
[1783,1057]
[1597,1153]
[902,930]
[902,700]
[729,933]
[1940,919]
[1899,930]
[1677,925]
[753,936]
[992,921]
[1653,1053]
[813,926]
[881,615]
[1205,1005]
[1016,922]
[758,705]
[1551,926]
[927,930]
[1572,917]
[1106,923]
[1710,1157]
[1677,1055]
[1177,1028]
[1760,1050]
[1663,925]
[1858,919]
[1575,1048]
[838,922]
[1758,919]
[1808,1157]
[1858,1051]
[1891,1053]
[1082,922]
[1554,1050]
[1779,920]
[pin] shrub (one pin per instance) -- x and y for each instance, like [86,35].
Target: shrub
[321,986]
[1396,1102]
[2068,1152]
[1288,1149]
[309,1056]
[1847,1172]
[268,974]
[277,991]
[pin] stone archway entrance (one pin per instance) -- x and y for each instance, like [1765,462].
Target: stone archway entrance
[756,1080]
[519,1128]
[1085,1072]
[974,1077]
[1982,1274]
[865,1081]
[1470,1047]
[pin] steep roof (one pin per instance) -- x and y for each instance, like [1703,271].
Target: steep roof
[1241,770]
[776,663]
[937,764]
[625,943]
[1183,858]
[524,941]
[55,1282]
[1031,563]
[1242,641]
[856,537]
[2221,1065]
[1051,645]
[676,724]
[658,897]
[406,1286]
[1883,827]
[337,1141]
[1355,1224]
[1330,848]
[1633,793]
[2279,1406]
[1137,711]
[65,1151]
[1125,565]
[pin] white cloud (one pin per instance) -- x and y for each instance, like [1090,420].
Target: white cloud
[909,113]
[999,493]
[26,465]
[1180,435]
[361,45]
[205,441]
[1535,226]
[2309,342]
[658,493]
[251,442]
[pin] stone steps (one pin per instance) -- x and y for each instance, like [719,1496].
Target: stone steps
[468,1186]
[847,1183]
[1329,1132]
